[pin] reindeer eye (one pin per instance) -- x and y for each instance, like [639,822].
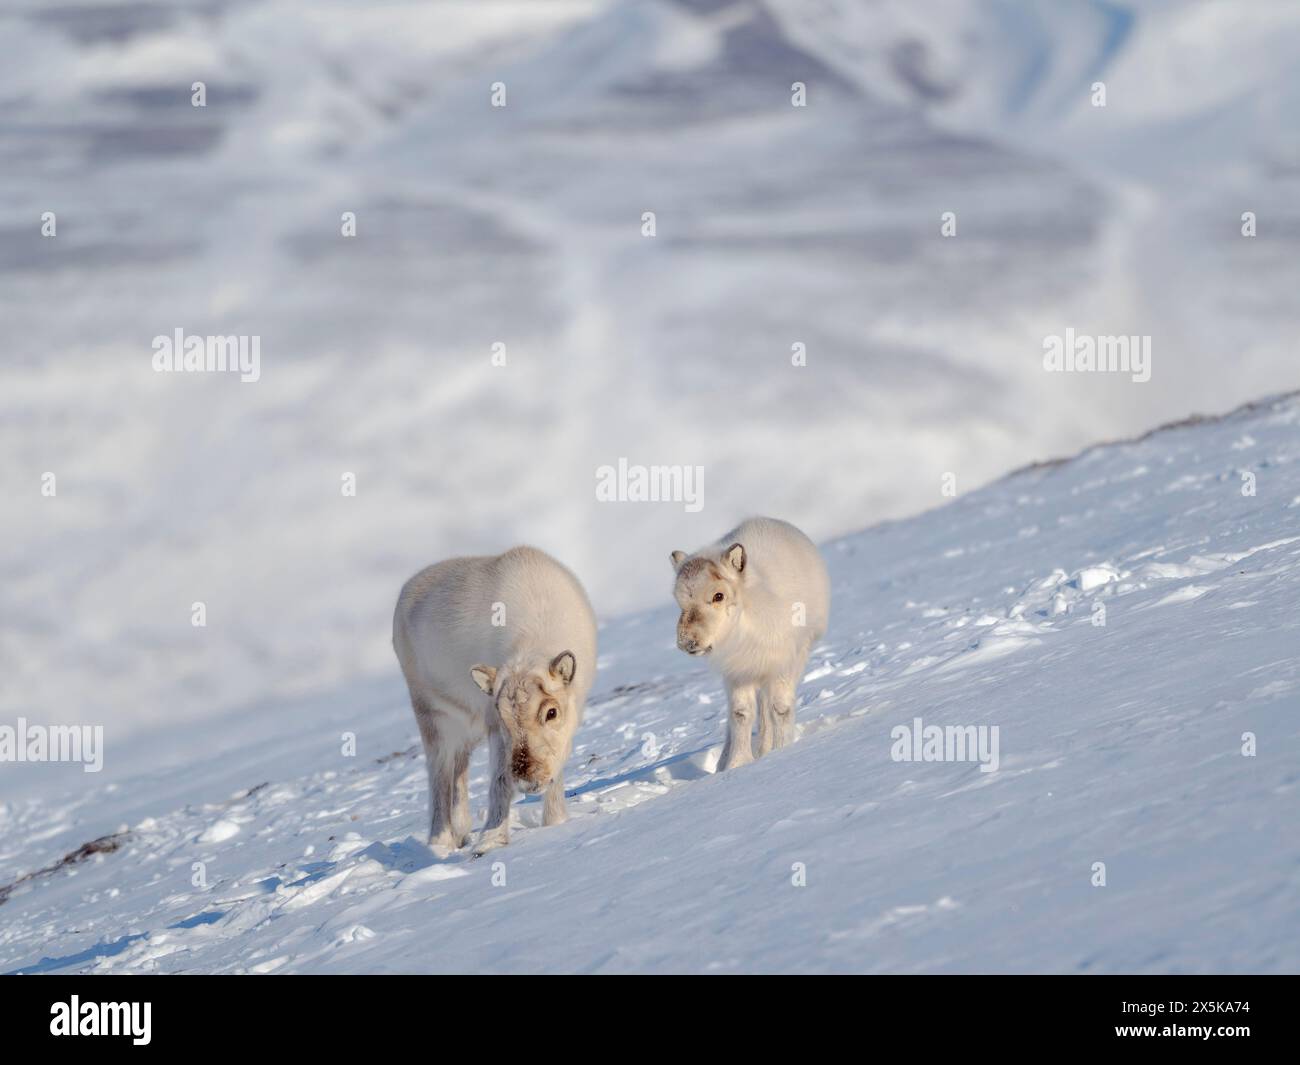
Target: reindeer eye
[550,713]
[718,598]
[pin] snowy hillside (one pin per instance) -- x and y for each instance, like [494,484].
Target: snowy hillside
[1119,743]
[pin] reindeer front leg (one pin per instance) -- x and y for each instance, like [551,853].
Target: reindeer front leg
[553,810]
[782,698]
[742,701]
[501,791]
[765,724]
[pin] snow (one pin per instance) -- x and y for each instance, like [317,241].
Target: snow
[1120,743]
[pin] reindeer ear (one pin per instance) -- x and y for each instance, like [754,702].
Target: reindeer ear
[563,666]
[735,557]
[678,558]
[485,677]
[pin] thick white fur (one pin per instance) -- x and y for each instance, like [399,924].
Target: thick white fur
[771,577]
[470,679]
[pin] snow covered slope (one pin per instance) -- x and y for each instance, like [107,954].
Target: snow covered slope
[1120,743]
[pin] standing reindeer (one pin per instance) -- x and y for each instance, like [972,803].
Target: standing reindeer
[499,648]
[756,602]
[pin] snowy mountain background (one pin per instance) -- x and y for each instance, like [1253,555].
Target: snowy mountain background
[775,226]
[521,225]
